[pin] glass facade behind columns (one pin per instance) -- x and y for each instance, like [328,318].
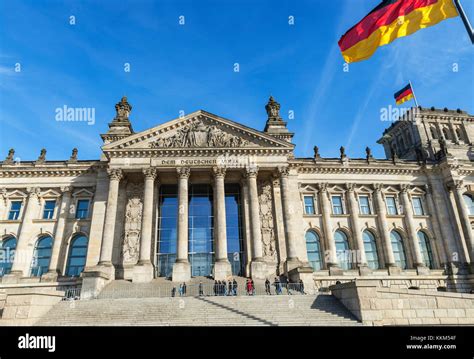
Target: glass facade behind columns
[235,240]
[201,229]
[167,229]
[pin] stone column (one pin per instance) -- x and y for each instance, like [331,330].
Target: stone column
[411,229]
[383,230]
[22,261]
[222,268]
[258,265]
[458,191]
[181,268]
[115,175]
[331,259]
[246,225]
[436,226]
[143,271]
[292,260]
[356,232]
[63,215]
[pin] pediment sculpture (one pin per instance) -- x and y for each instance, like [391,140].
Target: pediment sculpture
[199,134]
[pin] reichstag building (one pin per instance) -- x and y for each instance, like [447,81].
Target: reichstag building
[204,196]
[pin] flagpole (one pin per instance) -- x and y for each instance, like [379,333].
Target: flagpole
[414,96]
[465,20]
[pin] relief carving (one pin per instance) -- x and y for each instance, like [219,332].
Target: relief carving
[199,134]
[132,225]
[265,198]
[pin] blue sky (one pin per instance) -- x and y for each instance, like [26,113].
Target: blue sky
[188,67]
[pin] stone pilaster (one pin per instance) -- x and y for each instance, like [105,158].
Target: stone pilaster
[458,191]
[182,268]
[437,228]
[24,252]
[143,271]
[383,230]
[411,228]
[331,258]
[222,268]
[292,260]
[63,215]
[356,232]
[115,175]
[258,265]
[246,225]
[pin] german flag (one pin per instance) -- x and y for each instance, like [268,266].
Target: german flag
[390,20]
[403,95]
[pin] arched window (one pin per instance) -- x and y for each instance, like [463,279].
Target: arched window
[313,248]
[469,203]
[370,248]
[77,256]
[398,249]
[41,256]
[7,254]
[434,133]
[342,250]
[425,249]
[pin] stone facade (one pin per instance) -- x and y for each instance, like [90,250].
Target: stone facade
[420,192]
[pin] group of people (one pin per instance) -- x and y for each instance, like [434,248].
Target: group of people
[288,284]
[229,288]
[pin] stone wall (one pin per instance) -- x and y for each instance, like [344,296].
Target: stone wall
[24,306]
[374,305]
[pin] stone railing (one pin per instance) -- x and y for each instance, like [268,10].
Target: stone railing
[374,305]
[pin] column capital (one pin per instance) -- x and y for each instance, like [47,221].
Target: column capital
[115,174]
[251,172]
[219,172]
[322,187]
[183,172]
[65,189]
[404,188]
[150,173]
[284,171]
[378,187]
[33,192]
[350,187]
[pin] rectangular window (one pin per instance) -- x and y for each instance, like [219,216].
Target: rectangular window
[364,205]
[82,210]
[391,205]
[309,205]
[15,208]
[337,205]
[48,211]
[418,206]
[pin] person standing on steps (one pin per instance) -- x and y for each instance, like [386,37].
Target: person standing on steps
[235,287]
[248,286]
[277,286]
[230,291]
[201,292]
[288,286]
[215,287]
[224,288]
[252,284]
[267,287]
[184,289]
[173,292]
[180,290]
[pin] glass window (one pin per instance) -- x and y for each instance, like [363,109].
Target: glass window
[370,248]
[167,229]
[7,255]
[425,249]
[337,205]
[469,203]
[309,205]
[48,210]
[417,206]
[41,256]
[82,210]
[342,250]
[77,256]
[235,238]
[398,249]
[313,248]
[15,208]
[391,205]
[364,204]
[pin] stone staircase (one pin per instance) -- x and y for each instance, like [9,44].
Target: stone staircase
[284,310]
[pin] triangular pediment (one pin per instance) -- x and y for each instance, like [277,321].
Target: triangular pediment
[198,130]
